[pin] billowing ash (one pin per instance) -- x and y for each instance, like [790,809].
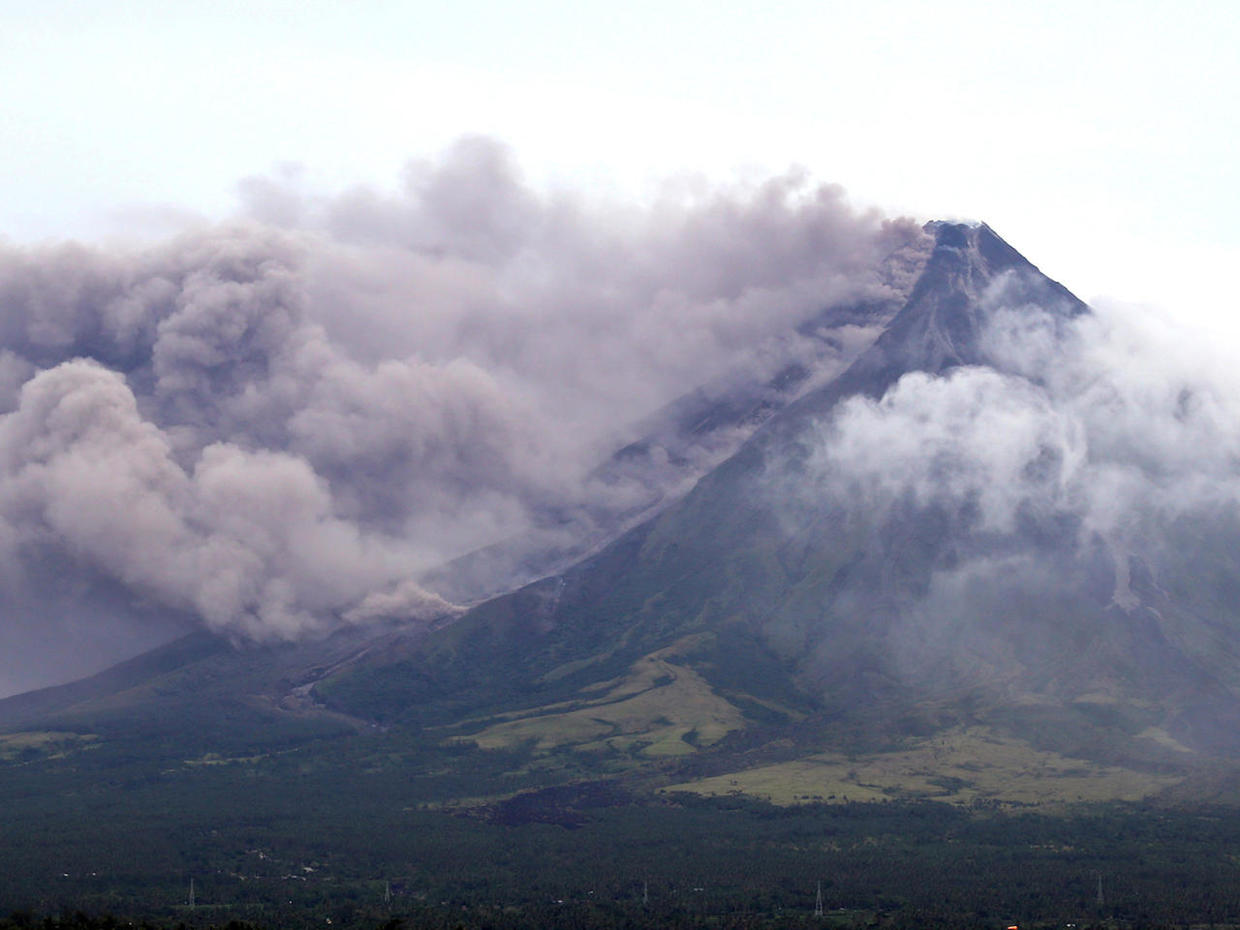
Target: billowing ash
[277,425]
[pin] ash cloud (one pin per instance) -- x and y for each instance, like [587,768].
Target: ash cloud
[277,425]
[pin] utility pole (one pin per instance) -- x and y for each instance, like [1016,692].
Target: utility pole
[191,892]
[818,902]
[1101,900]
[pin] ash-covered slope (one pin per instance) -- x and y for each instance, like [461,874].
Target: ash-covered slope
[955,580]
[678,444]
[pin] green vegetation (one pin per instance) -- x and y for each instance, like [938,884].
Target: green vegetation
[290,822]
[659,708]
[35,744]
[549,799]
[295,839]
[962,766]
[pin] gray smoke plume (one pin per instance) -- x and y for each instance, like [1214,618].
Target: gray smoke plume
[278,424]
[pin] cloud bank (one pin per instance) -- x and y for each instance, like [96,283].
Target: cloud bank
[1119,418]
[1091,468]
[277,425]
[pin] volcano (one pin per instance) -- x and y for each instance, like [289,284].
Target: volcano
[877,591]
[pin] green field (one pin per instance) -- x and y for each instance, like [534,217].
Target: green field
[659,708]
[962,766]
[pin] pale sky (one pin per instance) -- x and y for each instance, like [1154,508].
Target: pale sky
[1099,138]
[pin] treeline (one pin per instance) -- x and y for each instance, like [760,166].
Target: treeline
[353,831]
[584,918]
[622,861]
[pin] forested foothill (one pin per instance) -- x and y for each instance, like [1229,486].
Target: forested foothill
[273,855]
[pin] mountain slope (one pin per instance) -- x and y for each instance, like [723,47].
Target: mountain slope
[785,617]
[867,615]
[676,445]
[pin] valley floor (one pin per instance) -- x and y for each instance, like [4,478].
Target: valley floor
[603,858]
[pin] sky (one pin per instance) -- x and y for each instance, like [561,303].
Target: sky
[1098,138]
